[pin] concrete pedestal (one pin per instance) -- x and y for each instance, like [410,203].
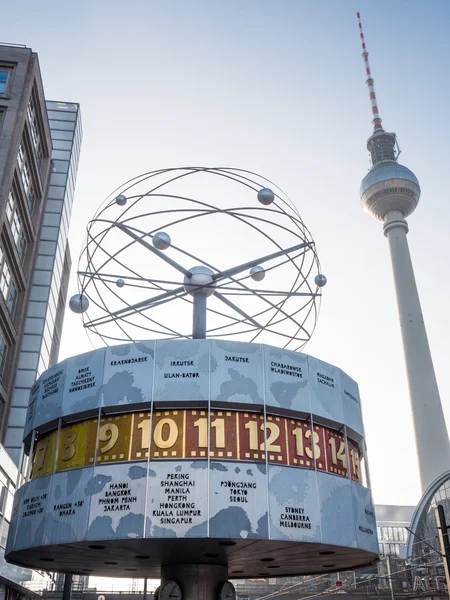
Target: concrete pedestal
[197,582]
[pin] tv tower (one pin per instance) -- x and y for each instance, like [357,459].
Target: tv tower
[389,193]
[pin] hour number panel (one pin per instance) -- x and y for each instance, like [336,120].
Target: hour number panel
[168,434]
[251,436]
[300,443]
[44,456]
[336,453]
[114,438]
[355,460]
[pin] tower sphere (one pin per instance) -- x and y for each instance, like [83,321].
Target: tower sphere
[200,276]
[79,303]
[389,186]
[120,283]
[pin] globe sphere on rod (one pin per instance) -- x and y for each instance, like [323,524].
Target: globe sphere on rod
[201,276]
[266,196]
[320,280]
[120,283]
[161,240]
[121,200]
[79,303]
[257,273]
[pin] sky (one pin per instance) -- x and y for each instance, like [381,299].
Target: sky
[276,87]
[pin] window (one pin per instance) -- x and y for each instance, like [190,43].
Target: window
[3,80]
[3,351]
[31,114]
[30,198]
[7,285]
[15,223]
[24,169]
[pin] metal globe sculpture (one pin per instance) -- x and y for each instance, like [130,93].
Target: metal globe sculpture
[197,233]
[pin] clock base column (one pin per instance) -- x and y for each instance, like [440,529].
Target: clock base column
[197,582]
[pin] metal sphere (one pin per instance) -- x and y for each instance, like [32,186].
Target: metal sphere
[266,196]
[201,276]
[120,283]
[121,200]
[161,240]
[320,280]
[387,187]
[79,303]
[257,273]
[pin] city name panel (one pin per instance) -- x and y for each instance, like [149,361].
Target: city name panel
[195,450]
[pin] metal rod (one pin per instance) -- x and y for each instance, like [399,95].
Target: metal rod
[236,308]
[257,261]
[134,307]
[144,595]
[67,589]
[199,317]
[161,255]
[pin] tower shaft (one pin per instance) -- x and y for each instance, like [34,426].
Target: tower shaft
[432,443]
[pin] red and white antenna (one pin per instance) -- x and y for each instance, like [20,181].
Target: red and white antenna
[373,99]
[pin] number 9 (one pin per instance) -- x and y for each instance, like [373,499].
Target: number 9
[108,433]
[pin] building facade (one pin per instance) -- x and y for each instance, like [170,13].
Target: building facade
[43,323]
[25,167]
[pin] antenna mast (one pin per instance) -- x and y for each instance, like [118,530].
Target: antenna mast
[373,99]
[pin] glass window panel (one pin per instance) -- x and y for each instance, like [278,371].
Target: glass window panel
[62,145]
[62,115]
[37,309]
[52,219]
[3,352]
[31,196]
[58,179]
[44,263]
[2,87]
[39,293]
[54,206]
[61,125]
[61,154]
[42,277]
[5,280]
[34,326]
[10,207]
[49,233]
[31,342]
[61,135]
[28,360]
[47,247]
[56,192]
[4,76]
[12,297]
[25,378]
[4,536]
[60,166]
